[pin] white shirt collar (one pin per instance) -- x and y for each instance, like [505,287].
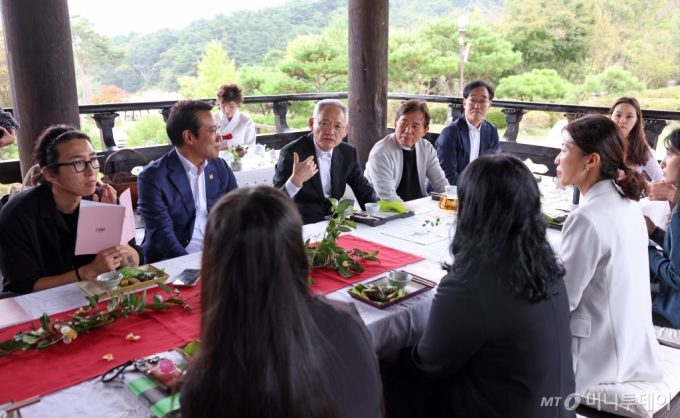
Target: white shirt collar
[320,153]
[188,165]
[473,128]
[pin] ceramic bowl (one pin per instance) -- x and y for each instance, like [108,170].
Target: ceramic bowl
[110,280]
[398,279]
[372,208]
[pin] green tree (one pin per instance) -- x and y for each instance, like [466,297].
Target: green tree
[5,94]
[537,85]
[319,60]
[414,65]
[490,55]
[214,69]
[613,80]
[145,51]
[90,49]
[550,33]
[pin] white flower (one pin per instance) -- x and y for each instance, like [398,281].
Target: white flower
[108,357]
[69,334]
[132,337]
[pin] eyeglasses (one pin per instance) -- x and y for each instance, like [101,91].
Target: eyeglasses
[404,124]
[214,130]
[480,103]
[81,165]
[325,126]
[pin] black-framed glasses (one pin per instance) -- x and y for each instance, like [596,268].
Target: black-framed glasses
[81,165]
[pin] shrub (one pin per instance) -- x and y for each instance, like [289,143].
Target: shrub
[438,114]
[535,120]
[496,117]
[149,130]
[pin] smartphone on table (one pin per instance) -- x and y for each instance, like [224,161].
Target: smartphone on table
[188,278]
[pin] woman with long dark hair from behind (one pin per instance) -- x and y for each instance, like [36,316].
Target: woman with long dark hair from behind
[497,341]
[666,265]
[604,251]
[269,348]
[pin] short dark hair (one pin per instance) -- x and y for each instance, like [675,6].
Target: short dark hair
[415,105]
[597,134]
[499,225]
[230,93]
[45,153]
[475,84]
[183,117]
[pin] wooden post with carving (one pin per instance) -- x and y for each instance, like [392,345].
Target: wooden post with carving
[41,69]
[368,35]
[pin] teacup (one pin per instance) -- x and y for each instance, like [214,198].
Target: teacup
[451,192]
[399,279]
[110,280]
[372,208]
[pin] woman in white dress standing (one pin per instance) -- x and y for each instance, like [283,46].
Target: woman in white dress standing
[234,127]
[604,252]
[627,115]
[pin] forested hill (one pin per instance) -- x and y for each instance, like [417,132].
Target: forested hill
[159,58]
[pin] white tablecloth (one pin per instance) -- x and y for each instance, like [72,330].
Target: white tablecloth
[391,329]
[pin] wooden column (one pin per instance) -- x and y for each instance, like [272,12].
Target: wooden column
[368,36]
[41,69]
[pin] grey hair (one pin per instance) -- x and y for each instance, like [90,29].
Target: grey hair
[330,102]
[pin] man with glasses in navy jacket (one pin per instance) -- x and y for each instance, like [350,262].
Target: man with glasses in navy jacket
[469,136]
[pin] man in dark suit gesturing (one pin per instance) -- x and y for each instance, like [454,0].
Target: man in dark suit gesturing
[319,165]
[470,135]
[177,191]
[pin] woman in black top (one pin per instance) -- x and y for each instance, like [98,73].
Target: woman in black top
[38,228]
[497,341]
[269,348]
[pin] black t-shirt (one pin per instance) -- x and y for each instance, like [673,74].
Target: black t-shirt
[36,240]
[409,185]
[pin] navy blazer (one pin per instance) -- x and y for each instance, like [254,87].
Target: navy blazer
[345,170]
[167,204]
[453,146]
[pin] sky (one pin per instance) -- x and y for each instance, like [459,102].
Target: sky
[119,17]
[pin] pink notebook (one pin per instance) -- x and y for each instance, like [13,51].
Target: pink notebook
[100,226]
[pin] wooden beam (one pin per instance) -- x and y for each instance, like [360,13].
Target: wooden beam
[41,69]
[368,36]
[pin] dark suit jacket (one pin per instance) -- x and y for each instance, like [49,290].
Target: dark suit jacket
[345,169]
[490,354]
[453,146]
[167,204]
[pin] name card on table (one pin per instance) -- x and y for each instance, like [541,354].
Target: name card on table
[103,225]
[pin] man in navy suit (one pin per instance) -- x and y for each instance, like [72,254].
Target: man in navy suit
[177,191]
[470,135]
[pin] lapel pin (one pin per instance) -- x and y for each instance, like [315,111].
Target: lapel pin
[211,176]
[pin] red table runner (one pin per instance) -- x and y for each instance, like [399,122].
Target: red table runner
[328,280]
[25,374]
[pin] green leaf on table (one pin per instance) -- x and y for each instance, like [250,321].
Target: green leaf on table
[344,272]
[165,288]
[45,322]
[43,344]
[10,345]
[190,349]
[94,301]
[356,267]
[29,339]
[158,306]
[351,224]
[344,229]
[133,300]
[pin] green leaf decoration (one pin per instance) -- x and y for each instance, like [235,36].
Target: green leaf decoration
[393,206]
[45,322]
[165,288]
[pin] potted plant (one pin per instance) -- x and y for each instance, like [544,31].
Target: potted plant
[236,164]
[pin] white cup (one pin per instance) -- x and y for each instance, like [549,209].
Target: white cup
[451,192]
[372,208]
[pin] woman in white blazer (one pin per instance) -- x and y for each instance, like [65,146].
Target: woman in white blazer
[234,127]
[604,251]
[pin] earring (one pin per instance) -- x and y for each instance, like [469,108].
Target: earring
[587,168]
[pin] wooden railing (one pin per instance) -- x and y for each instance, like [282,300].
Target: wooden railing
[105,115]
